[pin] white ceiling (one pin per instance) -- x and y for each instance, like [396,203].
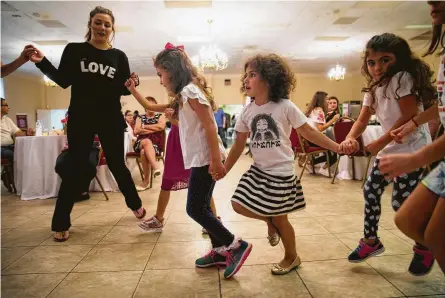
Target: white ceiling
[240,28]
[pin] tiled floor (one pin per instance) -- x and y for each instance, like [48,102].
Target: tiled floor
[108,256]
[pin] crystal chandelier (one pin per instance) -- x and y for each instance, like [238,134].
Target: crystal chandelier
[211,57]
[337,73]
[49,82]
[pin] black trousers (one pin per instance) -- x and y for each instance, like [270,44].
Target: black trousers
[222,135]
[80,140]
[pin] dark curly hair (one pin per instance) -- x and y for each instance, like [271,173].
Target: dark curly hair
[275,71]
[405,61]
[182,72]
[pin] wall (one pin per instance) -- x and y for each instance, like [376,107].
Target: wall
[24,95]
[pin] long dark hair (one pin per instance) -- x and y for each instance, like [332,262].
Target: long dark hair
[275,71]
[338,103]
[406,61]
[318,101]
[436,40]
[96,10]
[182,72]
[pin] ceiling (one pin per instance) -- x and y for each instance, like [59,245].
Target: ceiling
[313,35]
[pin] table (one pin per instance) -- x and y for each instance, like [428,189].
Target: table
[34,162]
[371,133]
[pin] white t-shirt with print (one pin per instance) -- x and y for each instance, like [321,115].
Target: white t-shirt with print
[8,129]
[270,126]
[195,149]
[440,89]
[316,117]
[388,111]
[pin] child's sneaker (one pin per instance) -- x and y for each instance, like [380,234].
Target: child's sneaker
[236,256]
[212,258]
[139,213]
[152,225]
[365,251]
[423,261]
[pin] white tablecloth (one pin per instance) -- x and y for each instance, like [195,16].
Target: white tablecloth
[371,133]
[34,162]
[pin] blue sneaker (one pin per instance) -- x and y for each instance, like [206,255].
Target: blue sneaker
[236,257]
[212,258]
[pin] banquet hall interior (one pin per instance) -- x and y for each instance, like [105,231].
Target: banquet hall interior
[107,253]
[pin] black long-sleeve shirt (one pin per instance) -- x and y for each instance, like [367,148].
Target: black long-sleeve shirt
[97,79]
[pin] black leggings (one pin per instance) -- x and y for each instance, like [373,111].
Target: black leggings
[373,189]
[200,191]
[80,140]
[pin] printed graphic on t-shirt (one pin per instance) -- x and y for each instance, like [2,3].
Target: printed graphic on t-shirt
[94,67]
[265,132]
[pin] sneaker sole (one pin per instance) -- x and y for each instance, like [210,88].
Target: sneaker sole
[241,262]
[211,265]
[377,252]
[423,274]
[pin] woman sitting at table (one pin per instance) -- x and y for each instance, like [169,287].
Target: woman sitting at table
[149,129]
[333,109]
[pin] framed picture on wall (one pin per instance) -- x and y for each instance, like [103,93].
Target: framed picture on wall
[22,121]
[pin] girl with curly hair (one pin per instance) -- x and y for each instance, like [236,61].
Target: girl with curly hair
[399,85]
[269,190]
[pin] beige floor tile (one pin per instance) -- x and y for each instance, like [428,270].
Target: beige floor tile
[335,279]
[342,223]
[321,247]
[324,208]
[105,207]
[307,226]
[129,234]
[98,219]
[393,244]
[247,229]
[116,257]
[5,230]
[30,285]
[263,253]
[182,232]
[98,284]
[12,221]
[179,217]
[177,255]
[22,236]
[402,236]
[11,254]
[49,259]
[257,281]
[82,235]
[130,220]
[395,269]
[188,283]
[45,219]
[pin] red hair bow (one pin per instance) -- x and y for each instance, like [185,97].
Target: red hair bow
[170,46]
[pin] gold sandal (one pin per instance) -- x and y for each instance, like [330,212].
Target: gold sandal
[278,270]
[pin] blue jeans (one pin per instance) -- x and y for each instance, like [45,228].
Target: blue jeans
[200,191]
[8,152]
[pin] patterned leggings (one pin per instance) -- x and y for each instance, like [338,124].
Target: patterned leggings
[403,186]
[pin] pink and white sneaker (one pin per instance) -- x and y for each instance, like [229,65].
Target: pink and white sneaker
[152,225]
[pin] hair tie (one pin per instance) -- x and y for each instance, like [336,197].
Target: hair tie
[170,46]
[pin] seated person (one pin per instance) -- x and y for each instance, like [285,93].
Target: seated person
[9,130]
[333,109]
[148,130]
[64,166]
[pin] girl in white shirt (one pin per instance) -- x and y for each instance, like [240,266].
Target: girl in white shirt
[202,152]
[269,190]
[398,85]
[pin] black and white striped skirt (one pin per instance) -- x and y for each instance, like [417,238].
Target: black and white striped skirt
[269,195]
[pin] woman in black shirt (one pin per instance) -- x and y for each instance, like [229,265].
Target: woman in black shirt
[96,73]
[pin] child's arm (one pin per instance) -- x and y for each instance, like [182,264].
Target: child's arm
[398,164]
[236,150]
[314,136]
[408,109]
[144,102]
[350,144]
[431,114]
[205,115]
[169,113]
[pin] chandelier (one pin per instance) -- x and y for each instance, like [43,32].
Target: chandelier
[211,57]
[337,73]
[49,82]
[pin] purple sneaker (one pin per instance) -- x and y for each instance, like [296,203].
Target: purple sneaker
[365,251]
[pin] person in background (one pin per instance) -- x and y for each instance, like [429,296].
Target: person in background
[333,109]
[8,131]
[9,68]
[129,118]
[220,118]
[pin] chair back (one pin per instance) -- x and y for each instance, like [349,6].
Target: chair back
[102,160]
[341,129]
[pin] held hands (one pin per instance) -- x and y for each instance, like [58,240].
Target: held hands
[374,147]
[132,82]
[34,54]
[135,78]
[217,170]
[349,146]
[28,50]
[399,134]
[170,114]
